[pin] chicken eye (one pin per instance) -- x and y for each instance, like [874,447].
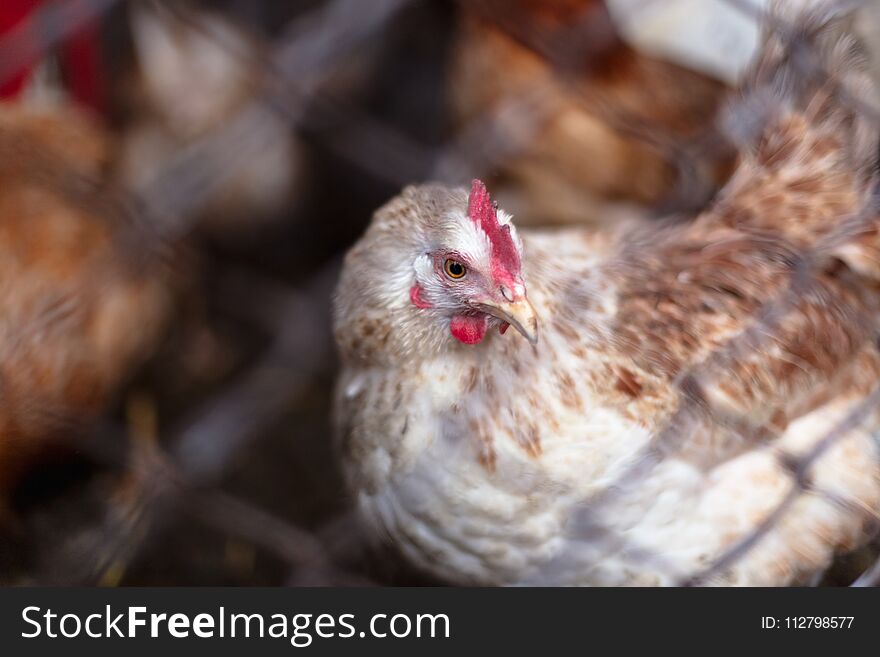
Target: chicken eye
[454,269]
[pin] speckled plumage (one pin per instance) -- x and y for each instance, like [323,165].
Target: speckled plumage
[679,373]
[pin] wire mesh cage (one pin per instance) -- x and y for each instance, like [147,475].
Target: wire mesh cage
[246,146]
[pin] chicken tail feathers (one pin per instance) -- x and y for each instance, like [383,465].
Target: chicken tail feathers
[808,127]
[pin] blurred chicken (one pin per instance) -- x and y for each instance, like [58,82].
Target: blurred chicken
[691,403]
[197,73]
[603,128]
[78,308]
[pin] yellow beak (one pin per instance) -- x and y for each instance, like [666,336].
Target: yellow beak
[519,314]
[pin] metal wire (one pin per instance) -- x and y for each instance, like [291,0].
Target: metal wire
[191,472]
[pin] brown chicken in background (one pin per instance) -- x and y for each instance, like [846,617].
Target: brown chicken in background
[78,308]
[609,128]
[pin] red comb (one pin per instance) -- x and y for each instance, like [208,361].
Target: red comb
[80,52]
[505,256]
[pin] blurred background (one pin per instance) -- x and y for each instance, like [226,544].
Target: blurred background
[243,145]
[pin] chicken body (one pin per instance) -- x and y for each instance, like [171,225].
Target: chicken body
[696,392]
[478,460]
[79,305]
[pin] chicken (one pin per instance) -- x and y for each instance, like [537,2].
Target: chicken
[197,73]
[686,403]
[608,128]
[81,300]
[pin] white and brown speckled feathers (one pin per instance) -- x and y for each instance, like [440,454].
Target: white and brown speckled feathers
[687,382]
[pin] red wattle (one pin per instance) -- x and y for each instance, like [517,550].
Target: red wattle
[469,329]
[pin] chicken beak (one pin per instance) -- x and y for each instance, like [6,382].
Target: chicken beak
[519,314]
